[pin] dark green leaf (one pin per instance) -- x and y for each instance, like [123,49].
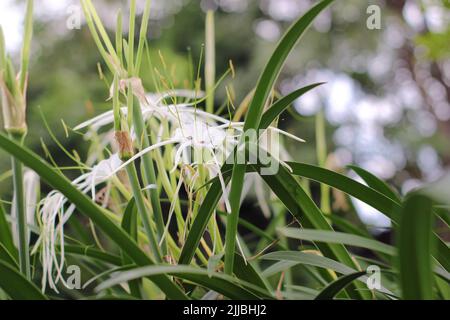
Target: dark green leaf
[16,285]
[415,246]
[337,286]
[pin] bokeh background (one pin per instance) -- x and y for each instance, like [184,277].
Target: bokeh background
[386,97]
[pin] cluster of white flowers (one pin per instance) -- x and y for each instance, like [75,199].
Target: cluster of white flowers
[209,137]
[201,138]
[55,211]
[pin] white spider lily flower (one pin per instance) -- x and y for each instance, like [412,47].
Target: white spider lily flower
[55,211]
[31,182]
[154,103]
[192,131]
[203,138]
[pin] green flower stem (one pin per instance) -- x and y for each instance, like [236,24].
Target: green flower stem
[210,63]
[137,193]
[233,218]
[212,225]
[149,171]
[321,147]
[22,228]
[26,45]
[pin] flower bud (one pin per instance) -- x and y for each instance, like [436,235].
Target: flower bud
[14,109]
[125,145]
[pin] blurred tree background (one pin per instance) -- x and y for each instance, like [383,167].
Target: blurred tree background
[386,97]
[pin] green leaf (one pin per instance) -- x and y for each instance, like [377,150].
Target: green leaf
[333,179]
[342,223]
[330,291]
[93,253]
[253,118]
[16,285]
[296,257]
[366,194]
[338,237]
[276,62]
[89,209]
[375,183]
[7,257]
[201,221]
[281,105]
[244,271]
[129,223]
[303,208]
[288,259]
[415,246]
[228,286]
[5,234]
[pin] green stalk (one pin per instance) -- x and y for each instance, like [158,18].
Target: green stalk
[92,14]
[142,36]
[119,44]
[210,63]
[140,204]
[321,149]
[90,23]
[22,228]
[26,45]
[149,171]
[233,218]
[131,37]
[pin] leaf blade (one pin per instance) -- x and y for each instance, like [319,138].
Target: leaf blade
[415,245]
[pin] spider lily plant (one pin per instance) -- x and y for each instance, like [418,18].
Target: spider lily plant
[13,91]
[155,210]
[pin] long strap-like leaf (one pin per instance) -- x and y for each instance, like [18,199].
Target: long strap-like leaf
[253,118]
[415,246]
[330,291]
[16,285]
[231,287]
